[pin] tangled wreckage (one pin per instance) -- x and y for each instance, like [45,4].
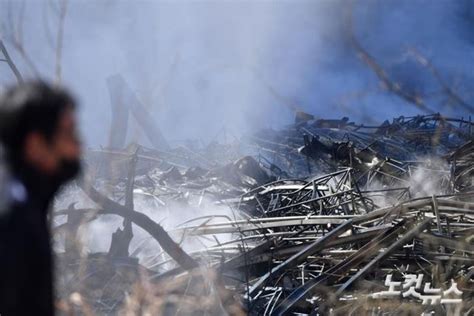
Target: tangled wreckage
[322,217]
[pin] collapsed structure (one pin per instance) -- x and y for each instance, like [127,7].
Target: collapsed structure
[324,216]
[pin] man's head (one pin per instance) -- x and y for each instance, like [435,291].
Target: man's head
[38,130]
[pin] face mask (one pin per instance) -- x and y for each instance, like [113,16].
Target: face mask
[69,168]
[43,185]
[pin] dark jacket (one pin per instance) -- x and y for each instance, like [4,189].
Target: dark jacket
[26,285]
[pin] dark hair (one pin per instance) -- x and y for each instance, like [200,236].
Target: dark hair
[33,106]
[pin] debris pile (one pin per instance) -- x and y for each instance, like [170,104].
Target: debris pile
[324,216]
[386,153]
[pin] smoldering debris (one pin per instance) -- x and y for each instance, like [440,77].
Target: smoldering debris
[322,217]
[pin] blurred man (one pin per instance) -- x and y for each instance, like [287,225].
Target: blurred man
[41,152]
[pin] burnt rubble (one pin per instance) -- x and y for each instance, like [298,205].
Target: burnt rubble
[321,217]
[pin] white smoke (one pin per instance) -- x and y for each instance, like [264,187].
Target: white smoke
[96,235]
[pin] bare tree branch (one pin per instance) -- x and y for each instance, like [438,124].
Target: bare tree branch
[16,38]
[59,39]
[46,26]
[370,61]
[111,207]
[452,95]
[11,64]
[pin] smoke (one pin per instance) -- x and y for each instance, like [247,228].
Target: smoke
[425,176]
[96,235]
[202,65]
[429,177]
